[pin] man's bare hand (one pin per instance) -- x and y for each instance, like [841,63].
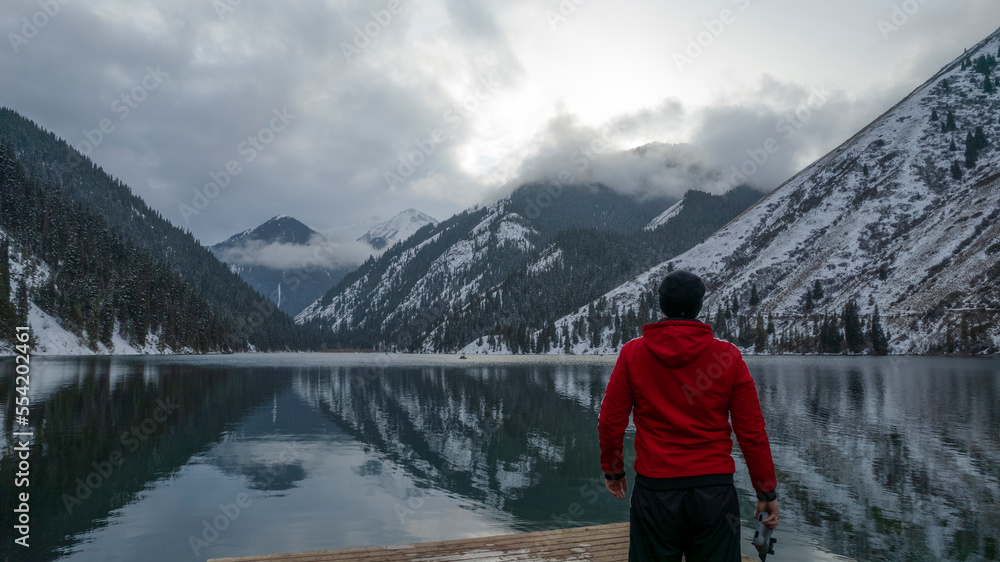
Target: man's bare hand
[617,487]
[770,507]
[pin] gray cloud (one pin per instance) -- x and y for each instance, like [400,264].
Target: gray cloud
[226,76]
[761,138]
[357,116]
[319,252]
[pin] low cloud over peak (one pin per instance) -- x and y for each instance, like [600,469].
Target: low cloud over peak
[760,137]
[319,252]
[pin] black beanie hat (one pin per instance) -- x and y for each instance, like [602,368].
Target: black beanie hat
[681,294]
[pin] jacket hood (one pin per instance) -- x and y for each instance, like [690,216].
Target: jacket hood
[677,342]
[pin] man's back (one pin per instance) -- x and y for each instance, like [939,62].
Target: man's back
[681,385]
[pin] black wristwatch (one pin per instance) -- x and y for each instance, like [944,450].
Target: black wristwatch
[767,496]
[618,476]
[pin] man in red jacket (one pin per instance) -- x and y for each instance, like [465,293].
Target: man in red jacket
[682,387]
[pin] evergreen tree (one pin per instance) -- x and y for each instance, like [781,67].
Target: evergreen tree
[971,151]
[934,115]
[21,298]
[4,272]
[945,85]
[952,147]
[616,334]
[8,312]
[982,65]
[817,291]
[808,302]
[754,297]
[829,336]
[880,342]
[854,334]
[956,170]
[980,139]
[770,324]
[760,335]
[949,124]
[864,170]
[735,305]
[720,327]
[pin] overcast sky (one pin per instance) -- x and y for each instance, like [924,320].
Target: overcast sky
[314,103]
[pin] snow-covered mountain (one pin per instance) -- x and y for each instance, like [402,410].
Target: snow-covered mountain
[443,265]
[507,268]
[400,227]
[380,234]
[293,264]
[902,217]
[395,300]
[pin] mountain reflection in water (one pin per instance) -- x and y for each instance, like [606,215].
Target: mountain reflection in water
[878,458]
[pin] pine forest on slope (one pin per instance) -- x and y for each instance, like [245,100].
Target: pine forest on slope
[243,318]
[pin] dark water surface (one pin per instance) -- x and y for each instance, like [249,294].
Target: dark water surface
[188,458]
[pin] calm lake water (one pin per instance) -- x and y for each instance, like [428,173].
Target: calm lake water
[878,458]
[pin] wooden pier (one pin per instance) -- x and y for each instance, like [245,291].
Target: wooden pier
[600,543]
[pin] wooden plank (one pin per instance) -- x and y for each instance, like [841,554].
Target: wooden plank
[598,543]
[618,531]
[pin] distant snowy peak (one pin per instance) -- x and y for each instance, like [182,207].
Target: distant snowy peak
[399,227]
[281,229]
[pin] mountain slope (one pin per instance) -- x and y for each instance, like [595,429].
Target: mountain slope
[577,266]
[61,261]
[395,300]
[901,218]
[251,321]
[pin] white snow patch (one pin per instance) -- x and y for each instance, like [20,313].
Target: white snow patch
[665,216]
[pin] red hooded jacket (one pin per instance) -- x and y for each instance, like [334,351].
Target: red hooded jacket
[683,386]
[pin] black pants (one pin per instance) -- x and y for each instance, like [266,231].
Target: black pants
[702,523]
